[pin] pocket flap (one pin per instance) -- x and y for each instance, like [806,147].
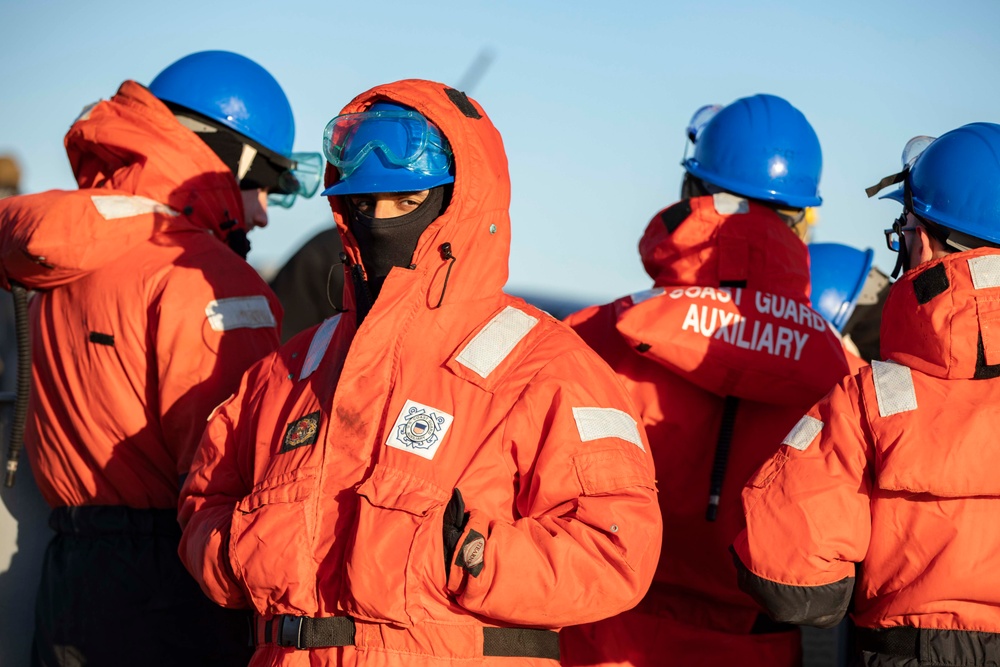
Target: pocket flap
[394,489]
[963,466]
[286,488]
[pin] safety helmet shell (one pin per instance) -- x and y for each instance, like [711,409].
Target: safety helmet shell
[377,173]
[838,273]
[760,147]
[233,91]
[955,181]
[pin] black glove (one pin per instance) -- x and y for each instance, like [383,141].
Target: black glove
[455,518]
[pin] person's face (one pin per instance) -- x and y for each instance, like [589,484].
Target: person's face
[388,204]
[254,208]
[916,238]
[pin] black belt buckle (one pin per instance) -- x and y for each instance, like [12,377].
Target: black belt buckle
[290,631]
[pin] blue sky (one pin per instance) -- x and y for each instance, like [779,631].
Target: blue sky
[591,97]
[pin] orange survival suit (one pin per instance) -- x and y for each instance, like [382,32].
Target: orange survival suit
[723,353]
[320,490]
[887,488]
[143,320]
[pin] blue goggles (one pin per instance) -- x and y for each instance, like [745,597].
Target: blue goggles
[404,138]
[301,179]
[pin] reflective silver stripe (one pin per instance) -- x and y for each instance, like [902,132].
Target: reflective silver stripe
[490,347]
[727,204]
[893,388]
[597,423]
[803,433]
[113,207]
[317,347]
[242,312]
[985,271]
[646,295]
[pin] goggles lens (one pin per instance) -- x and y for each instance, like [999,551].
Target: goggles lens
[302,179]
[405,138]
[914,147]
[700,119]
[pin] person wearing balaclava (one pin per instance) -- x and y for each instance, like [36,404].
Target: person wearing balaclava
[442,473]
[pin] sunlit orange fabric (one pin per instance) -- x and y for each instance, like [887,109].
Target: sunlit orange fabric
[117,424]
[297,505]
[911,495]
[680,349]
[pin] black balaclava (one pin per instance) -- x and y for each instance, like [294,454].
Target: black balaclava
[264,171]
[389,242]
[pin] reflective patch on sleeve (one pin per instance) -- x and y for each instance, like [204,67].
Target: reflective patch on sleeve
[113,207]
[597,423]
[241,312]
[646,295]
[894,390]
[727,204]
[985,271]
[317,347]
[803,433]
[490,347]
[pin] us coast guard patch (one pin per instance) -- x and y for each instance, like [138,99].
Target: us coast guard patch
[419,429]
[301,432]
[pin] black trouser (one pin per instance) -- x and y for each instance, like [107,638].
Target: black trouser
[114,592]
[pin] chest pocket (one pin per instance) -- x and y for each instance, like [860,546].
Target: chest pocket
[280,514]
[399,528]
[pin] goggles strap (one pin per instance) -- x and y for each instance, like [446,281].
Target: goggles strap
[886,182]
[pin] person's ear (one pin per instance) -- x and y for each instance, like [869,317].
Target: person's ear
[924,252]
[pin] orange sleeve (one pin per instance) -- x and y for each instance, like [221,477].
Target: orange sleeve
[588,538]
[221,474]
[807,513]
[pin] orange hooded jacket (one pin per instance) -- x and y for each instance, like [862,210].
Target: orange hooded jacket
[681,349]
[143,320]
[319,490]
[895,470]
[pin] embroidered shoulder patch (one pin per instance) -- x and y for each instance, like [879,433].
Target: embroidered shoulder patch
[301,432]
[419,429]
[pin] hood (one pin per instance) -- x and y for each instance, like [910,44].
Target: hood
[730,309]
[724,239]
[943,317]
[476,223]
[133,143]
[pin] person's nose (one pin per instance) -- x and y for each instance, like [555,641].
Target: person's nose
[385,208]
[260,213]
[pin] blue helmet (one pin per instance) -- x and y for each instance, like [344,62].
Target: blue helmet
[388,148]
[838,274]
[760,147]
[955,181]
[231,90]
